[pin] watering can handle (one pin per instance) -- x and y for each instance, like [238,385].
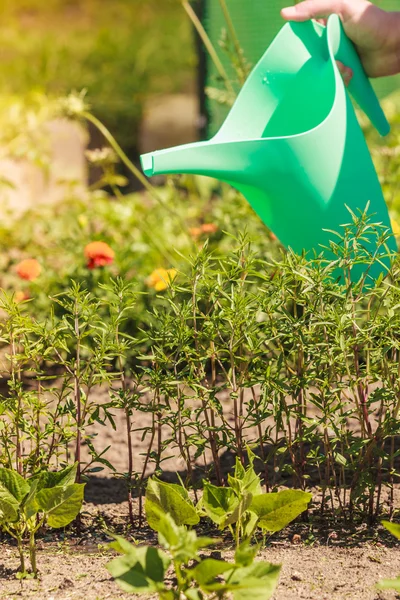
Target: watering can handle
[360,87]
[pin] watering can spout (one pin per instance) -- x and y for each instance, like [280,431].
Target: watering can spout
[147,164]
[211,159]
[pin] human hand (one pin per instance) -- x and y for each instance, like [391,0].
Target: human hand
[375,32]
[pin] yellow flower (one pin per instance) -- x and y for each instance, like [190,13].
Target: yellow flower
[395,227]
[160,279]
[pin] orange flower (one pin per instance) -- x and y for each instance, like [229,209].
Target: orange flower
[209,228]
[205,228]
[195,231]
[160,279]
[29,269]
[99,254]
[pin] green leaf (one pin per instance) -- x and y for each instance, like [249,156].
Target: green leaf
[164,496]
[245,554]
[256,582]
[249,524]
[140,570]
[14,483]
[239,469]
[389,584]
[192,594]
[168,530]
[394,528]
[252,483]
[50,479]
[239,511]
[30,505]
[61,504]
[275,511]
[13,489]
[121,545]
[209,569]
[218,502]
[9,506]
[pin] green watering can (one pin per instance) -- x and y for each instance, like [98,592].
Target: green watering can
[292,144]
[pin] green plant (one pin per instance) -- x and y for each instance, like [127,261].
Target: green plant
[242,507]
[179,570]
[391,584]
[26,505]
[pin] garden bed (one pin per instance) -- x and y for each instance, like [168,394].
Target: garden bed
[322,558]
[330,563]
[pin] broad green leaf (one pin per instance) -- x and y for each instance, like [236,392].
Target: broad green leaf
[9,506]
[30,506]
[166,497]
[252,483]
[141,570]
[389,584]
[219,502]
[208,569]
[189,545]
[245,554]
[168,530]
[61,504]
[182,491]
[49,479]
[275,511]
[239,511]
[191,594]
[394,528]
[256,582]
[121,545]
[14,483]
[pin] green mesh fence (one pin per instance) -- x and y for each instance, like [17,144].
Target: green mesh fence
[256,23]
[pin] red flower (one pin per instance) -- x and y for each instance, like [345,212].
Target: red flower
[99,254]
[29,269]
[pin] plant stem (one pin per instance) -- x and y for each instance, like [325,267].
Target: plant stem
[133,169]
[21,554]
[32,552]
[208,44]
[235,40]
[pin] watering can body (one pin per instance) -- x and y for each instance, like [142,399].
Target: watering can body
[292,143]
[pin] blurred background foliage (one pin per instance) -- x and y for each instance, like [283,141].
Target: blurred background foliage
[119,50]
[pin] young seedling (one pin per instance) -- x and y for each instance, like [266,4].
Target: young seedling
[242,507]
[178,571]
[26,505]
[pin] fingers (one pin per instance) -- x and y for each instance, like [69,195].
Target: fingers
[346,72]
[312,9]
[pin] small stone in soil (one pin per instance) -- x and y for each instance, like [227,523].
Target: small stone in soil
[296,539]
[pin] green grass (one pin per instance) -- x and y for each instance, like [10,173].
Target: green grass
[118,50]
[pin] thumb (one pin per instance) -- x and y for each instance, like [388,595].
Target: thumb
[312,9]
